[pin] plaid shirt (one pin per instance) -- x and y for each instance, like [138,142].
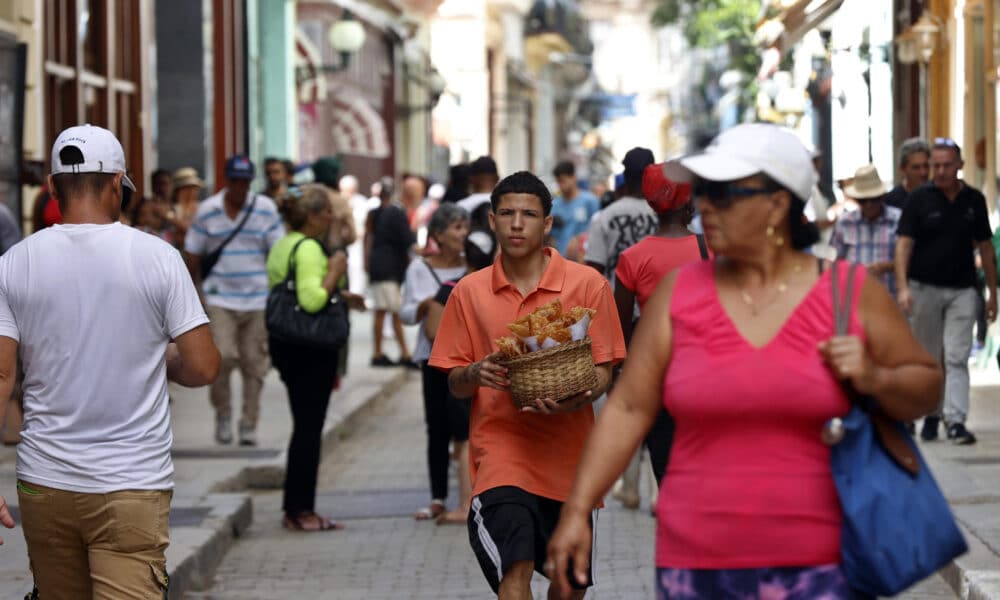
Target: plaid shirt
[858,240]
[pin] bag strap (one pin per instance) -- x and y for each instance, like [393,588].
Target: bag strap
[431,269]
[702,246]
[239,227]
[889,431]
[290,272]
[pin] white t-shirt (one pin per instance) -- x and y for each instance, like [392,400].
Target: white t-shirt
[239,280]
[472,202]
[93,308]
[421,284]
[618,227]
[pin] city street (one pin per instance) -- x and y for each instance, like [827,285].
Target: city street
[374,480]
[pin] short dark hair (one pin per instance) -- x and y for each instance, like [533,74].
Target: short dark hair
[69,185]
[484,165]
[910,147]
[160,173]
[564,167]
[943,143]
[522,182]
[289,167]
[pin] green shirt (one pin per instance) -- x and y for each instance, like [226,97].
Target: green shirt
[310,269]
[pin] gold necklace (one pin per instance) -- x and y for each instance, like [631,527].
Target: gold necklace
[781,288]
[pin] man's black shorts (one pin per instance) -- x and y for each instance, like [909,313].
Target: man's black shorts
[508,525]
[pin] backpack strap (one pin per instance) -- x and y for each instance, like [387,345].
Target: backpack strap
[702,246]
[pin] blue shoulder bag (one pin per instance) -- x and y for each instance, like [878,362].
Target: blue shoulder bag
[897,526]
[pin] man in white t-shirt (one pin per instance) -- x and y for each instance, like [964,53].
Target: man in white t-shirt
[245,225]
[103,315]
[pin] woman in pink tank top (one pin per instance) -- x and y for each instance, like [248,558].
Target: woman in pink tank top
[741,351]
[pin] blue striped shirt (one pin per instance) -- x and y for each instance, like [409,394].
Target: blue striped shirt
[239,280]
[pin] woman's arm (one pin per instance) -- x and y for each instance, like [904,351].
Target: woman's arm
[625,300]
[894,368]
[626,417]
[316,275]
[416,296]
[433,319]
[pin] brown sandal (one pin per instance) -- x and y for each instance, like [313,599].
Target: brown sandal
[430,512]
[309,522]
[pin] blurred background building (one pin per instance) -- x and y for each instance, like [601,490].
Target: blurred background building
[394,86]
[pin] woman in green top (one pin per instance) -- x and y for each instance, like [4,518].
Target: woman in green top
[308,373]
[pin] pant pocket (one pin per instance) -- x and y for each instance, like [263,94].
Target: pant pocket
[139,520]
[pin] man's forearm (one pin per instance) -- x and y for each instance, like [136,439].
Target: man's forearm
[988,256]
[464,381]
[904,249]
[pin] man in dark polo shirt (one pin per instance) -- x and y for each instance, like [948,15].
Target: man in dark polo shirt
[941,226]
[914,167]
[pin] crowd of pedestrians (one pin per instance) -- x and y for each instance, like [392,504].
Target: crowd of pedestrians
[711,338]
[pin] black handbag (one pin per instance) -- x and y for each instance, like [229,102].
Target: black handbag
[286,321]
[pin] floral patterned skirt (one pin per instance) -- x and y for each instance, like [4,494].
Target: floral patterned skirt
[825,582]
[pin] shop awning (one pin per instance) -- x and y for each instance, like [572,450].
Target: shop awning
[802,16]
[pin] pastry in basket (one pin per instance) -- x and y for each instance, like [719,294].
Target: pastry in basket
[511,346]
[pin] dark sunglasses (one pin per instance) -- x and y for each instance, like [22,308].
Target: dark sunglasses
[867,200]
[723,194]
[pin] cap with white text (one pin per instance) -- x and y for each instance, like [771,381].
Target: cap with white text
[89,149]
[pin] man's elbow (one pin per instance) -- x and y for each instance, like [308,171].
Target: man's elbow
[204,371]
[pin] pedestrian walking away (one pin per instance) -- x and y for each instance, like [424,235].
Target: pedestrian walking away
[518,481]
[640,270]
[389,243]
[226,252]
[103,315]
[307,371]
[942,226]
[448,228]
[741,351]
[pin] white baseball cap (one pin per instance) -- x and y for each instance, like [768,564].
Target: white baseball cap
[89,149]
[753,148]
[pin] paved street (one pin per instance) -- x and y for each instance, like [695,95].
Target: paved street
[375,480]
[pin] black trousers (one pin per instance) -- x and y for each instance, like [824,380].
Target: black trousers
[658,441]
[308,375]
[438,429]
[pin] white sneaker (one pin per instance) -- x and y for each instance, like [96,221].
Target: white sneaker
[223,430]
[248,435]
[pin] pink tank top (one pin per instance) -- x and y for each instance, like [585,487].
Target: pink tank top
[749,482]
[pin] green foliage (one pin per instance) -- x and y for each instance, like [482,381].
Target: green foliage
[710,23]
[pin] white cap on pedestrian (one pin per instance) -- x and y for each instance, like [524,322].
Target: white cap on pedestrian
[89,149]
[753,148]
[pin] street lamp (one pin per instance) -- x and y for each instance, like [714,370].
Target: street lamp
[917,44]
[436,86]
[346,37]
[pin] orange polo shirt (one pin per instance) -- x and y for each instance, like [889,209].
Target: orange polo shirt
[537,453]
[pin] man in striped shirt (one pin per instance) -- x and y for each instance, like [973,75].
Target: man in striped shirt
[235,290]
[867,235]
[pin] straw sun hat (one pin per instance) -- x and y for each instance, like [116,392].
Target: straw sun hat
[867,184]
[186,176]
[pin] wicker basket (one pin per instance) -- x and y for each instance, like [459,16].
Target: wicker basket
[557,373]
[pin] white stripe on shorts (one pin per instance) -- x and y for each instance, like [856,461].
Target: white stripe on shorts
[484,538]
[593,548]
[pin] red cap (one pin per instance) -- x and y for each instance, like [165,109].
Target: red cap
[662,193]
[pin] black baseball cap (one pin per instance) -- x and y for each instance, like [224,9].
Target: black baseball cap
[636,160]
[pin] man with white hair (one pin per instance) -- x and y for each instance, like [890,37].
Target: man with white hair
[356,277]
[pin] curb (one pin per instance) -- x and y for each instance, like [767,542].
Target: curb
[232,511]
[974,575]
[231,516]
[354,405]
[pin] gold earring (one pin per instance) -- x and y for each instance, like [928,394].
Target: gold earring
[778,240]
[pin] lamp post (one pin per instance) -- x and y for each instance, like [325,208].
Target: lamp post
[917,44]
[346,37]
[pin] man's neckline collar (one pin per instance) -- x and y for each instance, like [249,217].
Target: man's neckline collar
[552,278]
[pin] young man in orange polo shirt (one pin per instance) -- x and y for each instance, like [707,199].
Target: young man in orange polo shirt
[522,461]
